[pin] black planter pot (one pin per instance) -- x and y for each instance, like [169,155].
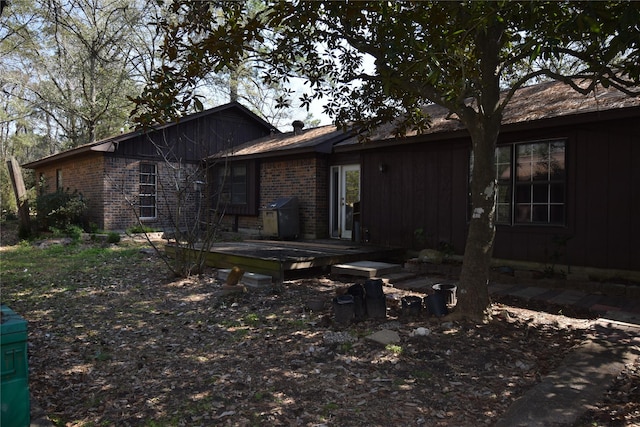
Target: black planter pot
[376,307]
[373,288]
[411,306]
[343,309]
[359,306]
[436,305]
[447,291]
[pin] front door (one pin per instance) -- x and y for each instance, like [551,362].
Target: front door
[345,189]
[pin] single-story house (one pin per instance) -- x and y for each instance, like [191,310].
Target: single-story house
[140,175]
[569,181]
[567,165]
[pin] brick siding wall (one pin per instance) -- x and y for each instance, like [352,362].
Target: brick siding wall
[121,182]
[176,198]
[83,174]
[110,185]
[305,178]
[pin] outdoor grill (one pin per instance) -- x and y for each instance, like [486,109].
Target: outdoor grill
[282,219]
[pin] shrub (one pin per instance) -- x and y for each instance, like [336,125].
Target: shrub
[60,210]
[113,237]
[24,233]
[74,231]
[136,229]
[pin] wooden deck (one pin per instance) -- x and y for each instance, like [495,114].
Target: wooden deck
[274,258]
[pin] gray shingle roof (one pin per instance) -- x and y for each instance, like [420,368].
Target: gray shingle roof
[536,102]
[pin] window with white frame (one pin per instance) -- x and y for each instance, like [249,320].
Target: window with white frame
[536,192]
[147,195]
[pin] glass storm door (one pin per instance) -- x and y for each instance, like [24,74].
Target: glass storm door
[345,189]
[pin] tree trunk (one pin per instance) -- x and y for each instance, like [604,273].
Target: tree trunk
[483,123]
[233,85]
[15,172]
[473,291]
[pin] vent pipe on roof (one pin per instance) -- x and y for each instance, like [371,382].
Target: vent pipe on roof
[297,127]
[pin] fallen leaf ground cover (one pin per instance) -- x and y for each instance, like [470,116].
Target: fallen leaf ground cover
[115,340]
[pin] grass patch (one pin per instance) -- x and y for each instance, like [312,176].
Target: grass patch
[229,323]
[345,347]
[101,356]
[299,324]
[329,408]
[421,375]
[251,319]
[29,272]
[59,259]
[261,395]
[393,348]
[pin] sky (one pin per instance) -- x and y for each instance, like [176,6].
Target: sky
[368,66]
[300,113]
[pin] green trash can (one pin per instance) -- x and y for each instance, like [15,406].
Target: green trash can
[15,405]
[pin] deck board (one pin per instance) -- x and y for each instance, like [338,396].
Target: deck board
[274,258]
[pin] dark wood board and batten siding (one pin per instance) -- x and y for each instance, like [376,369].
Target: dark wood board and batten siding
[425,186]
[195,139]
[607,196]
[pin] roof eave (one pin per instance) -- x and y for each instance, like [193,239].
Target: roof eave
[272,154]
[104,147]
[564,120]
[323,147]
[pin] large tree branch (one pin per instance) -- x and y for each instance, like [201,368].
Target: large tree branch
[508,95]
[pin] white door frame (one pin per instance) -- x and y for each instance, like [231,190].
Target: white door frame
[341,202]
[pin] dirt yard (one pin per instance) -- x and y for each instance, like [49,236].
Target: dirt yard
[134,347]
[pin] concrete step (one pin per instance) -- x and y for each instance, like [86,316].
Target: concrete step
[366,269]
[253,280]
[399,277]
